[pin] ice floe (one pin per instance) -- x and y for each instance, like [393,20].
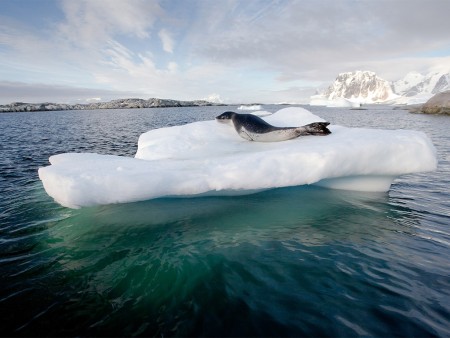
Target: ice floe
[209,158]
[251,107]
[338,102]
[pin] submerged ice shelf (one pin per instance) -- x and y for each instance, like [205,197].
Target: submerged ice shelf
[209,158]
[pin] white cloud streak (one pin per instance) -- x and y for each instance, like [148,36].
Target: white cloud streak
[93,21]
[167,41]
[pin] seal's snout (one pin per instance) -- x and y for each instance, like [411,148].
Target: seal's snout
[318,128]
[225,117]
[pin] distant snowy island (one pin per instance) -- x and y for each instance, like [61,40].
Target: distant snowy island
[114,104]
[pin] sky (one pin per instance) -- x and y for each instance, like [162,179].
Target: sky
[230,51]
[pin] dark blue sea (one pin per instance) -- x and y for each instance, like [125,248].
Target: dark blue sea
[299,261]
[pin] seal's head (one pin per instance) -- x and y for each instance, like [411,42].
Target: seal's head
[225,117]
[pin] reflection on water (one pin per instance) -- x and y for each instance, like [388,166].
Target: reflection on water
[188,266]
[276,214]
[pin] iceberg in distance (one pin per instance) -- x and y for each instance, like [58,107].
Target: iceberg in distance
[250,107]
[339,102]
[209,158]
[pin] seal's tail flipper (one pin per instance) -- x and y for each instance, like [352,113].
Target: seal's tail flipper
[317,128]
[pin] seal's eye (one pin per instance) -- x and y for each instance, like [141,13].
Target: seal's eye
[221,117]
[225,116]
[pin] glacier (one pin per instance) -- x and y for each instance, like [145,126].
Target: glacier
[209,158]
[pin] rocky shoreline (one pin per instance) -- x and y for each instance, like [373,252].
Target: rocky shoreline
[114,104]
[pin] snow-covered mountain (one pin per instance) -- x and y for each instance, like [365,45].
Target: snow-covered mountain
[360,86]
[415,86]
[355,88]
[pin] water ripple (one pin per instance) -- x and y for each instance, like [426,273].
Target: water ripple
[299,261]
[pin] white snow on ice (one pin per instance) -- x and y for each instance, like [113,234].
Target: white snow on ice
[210,158]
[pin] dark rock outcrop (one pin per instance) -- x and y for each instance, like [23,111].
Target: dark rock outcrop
[438,104]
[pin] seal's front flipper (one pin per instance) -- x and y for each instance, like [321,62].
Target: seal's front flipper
[317,128]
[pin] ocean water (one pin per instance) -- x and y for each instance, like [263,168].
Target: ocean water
[298,261]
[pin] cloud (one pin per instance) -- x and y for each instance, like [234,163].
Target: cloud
[127,69]
[38,92]
[90,22]
[310,39]
[78,44]
[245,51]
[166,40]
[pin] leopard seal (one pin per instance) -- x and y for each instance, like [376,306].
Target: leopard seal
[254,128]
